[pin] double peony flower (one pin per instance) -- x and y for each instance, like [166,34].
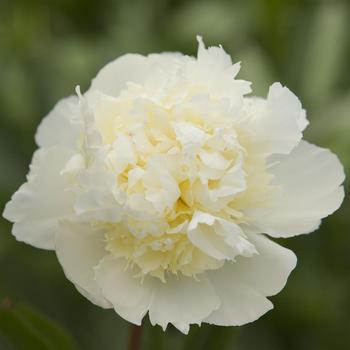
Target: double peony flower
[157,189]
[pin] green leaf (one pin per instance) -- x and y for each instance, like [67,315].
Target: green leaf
[26,328]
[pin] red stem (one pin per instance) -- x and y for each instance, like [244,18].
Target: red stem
[135,337]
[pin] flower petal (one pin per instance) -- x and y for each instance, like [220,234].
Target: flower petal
[129,296]
[266,272]
[221,239]
[61,127]
[310,179]
[240,304]
[38,204]
[278,121]
[190,137]
[95,199]
[113,77]
[182,301]
[243,285]
[79,248]
[214,70]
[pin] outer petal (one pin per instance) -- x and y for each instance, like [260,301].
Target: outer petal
[266,272]
[38,204]
[131,68]
[214,70]
[278,121]
[62,126]
[94,199]
[129,296]
[310,181]
[79,248]
[182,301]
[243,285]
[240,304]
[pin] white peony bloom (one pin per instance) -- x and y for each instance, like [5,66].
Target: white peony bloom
[157,186]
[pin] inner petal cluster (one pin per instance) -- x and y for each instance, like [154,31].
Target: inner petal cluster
[181,178]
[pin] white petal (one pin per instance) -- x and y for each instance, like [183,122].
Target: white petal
[123,154]
[135,175]
[95,204]
[214,160]
[214,69]
[161,188]
[266,272]
[229,185]
[182,301]
[243,285]
[278,121]
[214,56]
[310,179]
[240,304]
[221,239]
[130,297]
[190,137]
[61,127]
[38,204]
[95,199]
[79,248]
[233,181]
[113,77]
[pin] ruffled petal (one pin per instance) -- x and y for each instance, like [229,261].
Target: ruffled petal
[132,68]
[95,199]
[62,126]
[214,70]
[240,304]
[242,286]
[79,248]
[310,181]
[266,272]
[220,239]
[129,295]
[182,301]
[277,122]
[39,203]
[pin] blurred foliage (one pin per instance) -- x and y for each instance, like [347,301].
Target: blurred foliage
[26,329]
[48,47]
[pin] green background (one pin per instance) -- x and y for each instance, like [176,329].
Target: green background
[48,47]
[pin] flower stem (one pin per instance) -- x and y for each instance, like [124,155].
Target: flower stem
[135,337]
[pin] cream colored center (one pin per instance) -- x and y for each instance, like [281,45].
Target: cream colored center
[169,163]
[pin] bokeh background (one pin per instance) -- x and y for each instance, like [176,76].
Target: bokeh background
[48,47]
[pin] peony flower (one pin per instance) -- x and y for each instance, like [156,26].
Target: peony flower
[159,186]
